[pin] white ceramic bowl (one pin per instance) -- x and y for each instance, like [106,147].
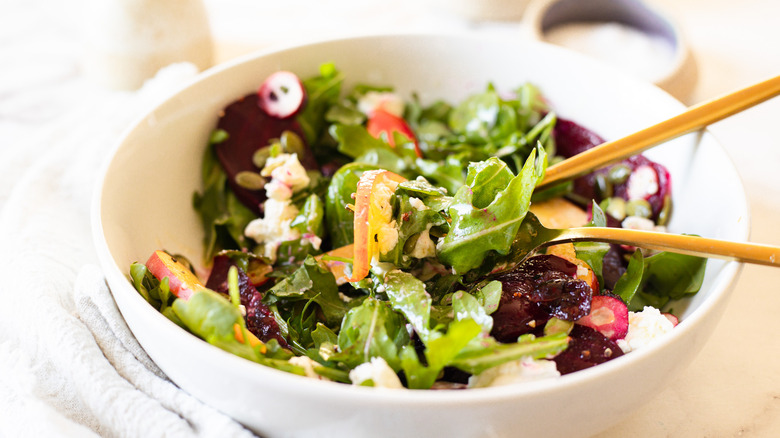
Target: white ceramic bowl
[143,204]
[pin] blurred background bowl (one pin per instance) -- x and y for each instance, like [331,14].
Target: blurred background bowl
[677,75]
[143,203]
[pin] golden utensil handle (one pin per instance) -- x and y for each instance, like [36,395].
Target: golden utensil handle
[692,245]
[694,118]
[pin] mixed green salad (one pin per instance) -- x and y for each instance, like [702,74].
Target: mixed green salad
[365,237]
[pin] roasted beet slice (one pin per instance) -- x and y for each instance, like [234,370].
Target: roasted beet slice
[613,266]
[587,348]
[517,316]
[608,315]
[249,129]
[588,186]
[572,139]
[259,319]
[542,287]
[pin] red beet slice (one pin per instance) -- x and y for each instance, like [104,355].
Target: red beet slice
[572,139]
[608,315]
[249,129]
[587,348]
[517,316]
[282,95]
[259,318]
[538,289]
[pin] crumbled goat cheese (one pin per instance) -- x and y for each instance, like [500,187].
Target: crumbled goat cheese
[418,204]
[642,183]
[638,223]
[308,366]
[286,169]
[313,239]
[381,198]
[643,224]
[376,371]
[287,177]
[643,328]
[517,371]
[388,102]
[387,234]
[274,227]
[387,237]
[424,246]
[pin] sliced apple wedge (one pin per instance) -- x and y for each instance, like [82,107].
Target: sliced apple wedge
[181,281]
[338,267]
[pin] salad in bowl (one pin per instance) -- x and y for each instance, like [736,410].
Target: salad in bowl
[363,236]
[144,204]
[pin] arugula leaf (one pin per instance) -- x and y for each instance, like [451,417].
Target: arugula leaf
[491,353]
[476,231]
[439,353]
[466,306]
[222,215]
[407,295]
[593,253]
[476,116]
[356,143]
[371,329]
[340,221]
[211,317]
[312,282]
[310,219]
[447,173]
[321,91]
[411,223]
[486,180]
[669,276]
[631,281]
[489,296]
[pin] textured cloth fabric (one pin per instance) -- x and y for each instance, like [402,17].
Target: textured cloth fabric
[69,366]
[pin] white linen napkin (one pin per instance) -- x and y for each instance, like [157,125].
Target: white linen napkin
[69,366]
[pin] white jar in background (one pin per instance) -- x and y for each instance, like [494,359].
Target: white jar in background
[128,41]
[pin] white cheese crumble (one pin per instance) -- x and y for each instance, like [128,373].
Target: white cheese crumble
[643,224]
[287,170]
[418,204]
[287,177]
[308,366]
[376,371]
[386,101]
[387,234]
[424,246]
[517,371]
[638,223]
[643,328]
[642,183]
[387,237]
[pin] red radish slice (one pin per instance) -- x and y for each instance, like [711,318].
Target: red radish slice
[671,318]
[282,95]
[608,315]
[382,122]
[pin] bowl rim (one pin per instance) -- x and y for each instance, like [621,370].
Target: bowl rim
[293,383]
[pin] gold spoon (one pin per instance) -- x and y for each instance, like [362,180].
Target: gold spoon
[533,236]
[694,118]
